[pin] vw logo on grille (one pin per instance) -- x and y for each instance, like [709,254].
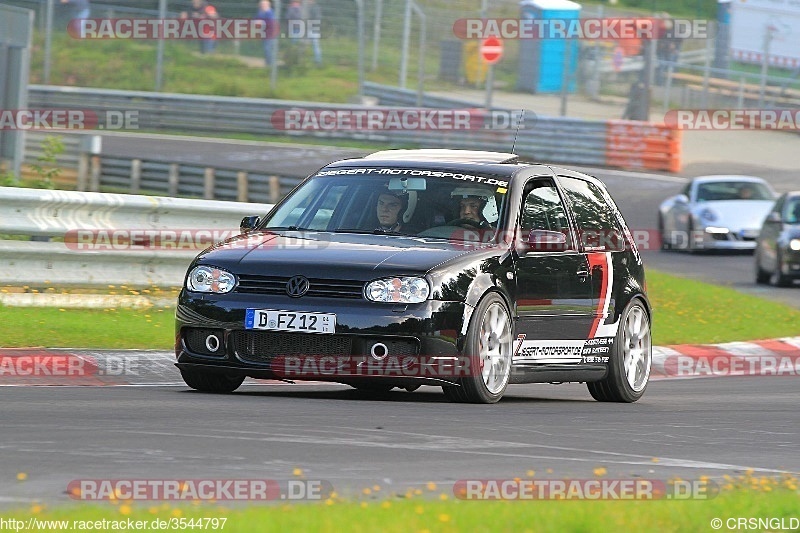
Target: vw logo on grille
[297,286]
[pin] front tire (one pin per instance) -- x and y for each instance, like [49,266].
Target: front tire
[630,360]
[489,348]
[211,381]
[762,276]
[779,279]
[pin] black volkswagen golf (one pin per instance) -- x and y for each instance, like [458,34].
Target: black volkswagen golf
[460,269]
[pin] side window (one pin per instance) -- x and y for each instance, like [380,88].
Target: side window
[543,209]
[597,224]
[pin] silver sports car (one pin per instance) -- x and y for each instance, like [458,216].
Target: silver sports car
[716,212]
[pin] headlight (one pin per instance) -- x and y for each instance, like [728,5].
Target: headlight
[210,279]
[794,244]
[398,290]
[708,214]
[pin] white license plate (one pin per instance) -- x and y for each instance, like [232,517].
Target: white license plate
[290,321]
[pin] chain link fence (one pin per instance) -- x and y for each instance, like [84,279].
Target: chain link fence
[412,44]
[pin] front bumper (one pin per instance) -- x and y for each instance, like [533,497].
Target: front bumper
[720,238]
[790,264]
[432,331]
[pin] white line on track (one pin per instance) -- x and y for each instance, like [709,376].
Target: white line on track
[446,447]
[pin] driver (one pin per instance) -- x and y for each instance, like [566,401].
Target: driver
[471,202]
[389,207]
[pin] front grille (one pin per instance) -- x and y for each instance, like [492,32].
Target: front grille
[399,348]
[263,346]
[318,287]
[196,341]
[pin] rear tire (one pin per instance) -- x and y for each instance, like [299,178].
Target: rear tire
[691,246]
[211,381]
[489,347]
[630,359]
[666,245]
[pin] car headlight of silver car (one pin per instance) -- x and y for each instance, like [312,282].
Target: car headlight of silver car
[708,215]
[404,290]
[210,279]
[794,244]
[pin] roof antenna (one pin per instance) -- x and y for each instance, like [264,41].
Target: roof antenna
[519,123]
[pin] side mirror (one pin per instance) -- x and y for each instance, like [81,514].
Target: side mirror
[248,224]
[542,240]
[774,218]
[682,199]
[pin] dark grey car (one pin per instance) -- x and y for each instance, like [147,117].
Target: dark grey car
[778,245]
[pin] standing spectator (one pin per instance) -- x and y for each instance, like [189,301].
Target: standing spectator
[638,107]
[266,14]
[201,10]
[294,30]
[81,7]
[294,20]
[313,27]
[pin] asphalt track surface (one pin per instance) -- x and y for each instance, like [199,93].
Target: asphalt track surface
[685,428]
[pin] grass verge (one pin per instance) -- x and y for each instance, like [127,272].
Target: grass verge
[685,311]
[690,311]
[778,505]
[87,328]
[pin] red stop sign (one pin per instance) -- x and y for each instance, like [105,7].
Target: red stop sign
[491,50]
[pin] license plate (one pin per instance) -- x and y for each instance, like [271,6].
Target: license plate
[290,321]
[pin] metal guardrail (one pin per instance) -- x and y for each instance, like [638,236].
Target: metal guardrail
[100,172]
[556,140]
[97,236]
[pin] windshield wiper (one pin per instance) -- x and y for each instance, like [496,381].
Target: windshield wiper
[376,231]
[287,228]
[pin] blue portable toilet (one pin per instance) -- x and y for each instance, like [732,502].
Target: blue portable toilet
[541,60]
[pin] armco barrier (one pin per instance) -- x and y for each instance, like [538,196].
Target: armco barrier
[637,145]
[83,170]
[549,139]
[47,213]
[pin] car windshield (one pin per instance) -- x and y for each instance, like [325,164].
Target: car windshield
[414,202]
[732,190]
[793,211]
